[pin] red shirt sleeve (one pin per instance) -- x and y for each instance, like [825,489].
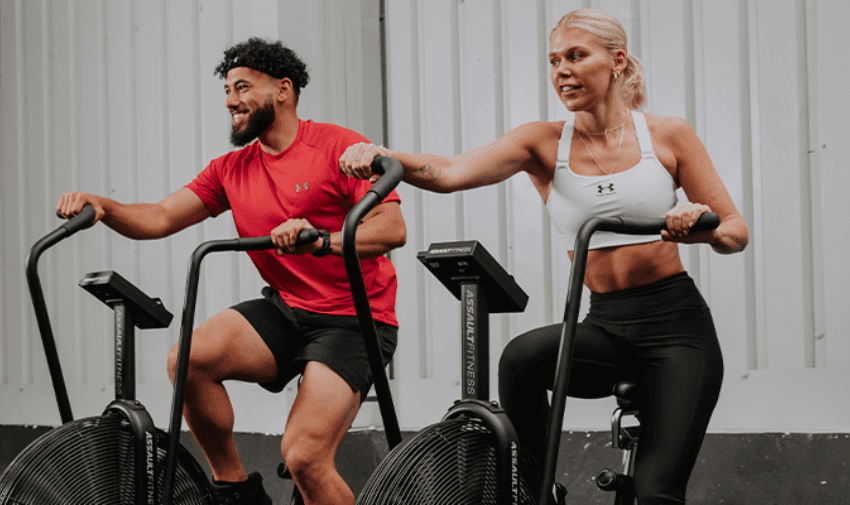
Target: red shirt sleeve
[209,188]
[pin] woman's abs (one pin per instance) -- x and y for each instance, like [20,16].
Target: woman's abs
[631,266]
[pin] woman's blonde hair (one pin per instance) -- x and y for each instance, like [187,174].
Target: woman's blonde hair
[611,35]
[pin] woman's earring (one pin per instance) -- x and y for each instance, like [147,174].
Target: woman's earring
[616,76]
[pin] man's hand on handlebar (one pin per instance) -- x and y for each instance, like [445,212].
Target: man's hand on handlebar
[680,219]
[71,204]
[356,161]
[285,236]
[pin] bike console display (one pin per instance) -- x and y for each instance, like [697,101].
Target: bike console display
[456,263]
[110,288]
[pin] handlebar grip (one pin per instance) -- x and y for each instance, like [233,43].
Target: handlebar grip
[260,243]
[633,225]
[391,171]
[307,236]
[707,221]
[80,221]
[380,164]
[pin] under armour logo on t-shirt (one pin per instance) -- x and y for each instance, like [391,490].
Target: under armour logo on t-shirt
[299,187]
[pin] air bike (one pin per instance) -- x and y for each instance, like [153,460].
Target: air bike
[472,455]
[119,456]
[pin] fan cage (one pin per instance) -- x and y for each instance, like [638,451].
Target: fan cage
[453,462]
[91,461]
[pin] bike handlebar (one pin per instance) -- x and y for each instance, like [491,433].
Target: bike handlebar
[78,222]
[392,173]
[65,230]
[258,243]
[185,341]
[636,225]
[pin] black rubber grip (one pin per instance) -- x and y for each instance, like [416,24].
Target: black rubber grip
[260,243]
[651,226]
[80,221]
[391,171]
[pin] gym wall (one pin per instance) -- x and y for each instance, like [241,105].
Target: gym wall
[119,99]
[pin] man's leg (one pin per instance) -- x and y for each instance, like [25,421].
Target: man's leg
[224,347]
[321,415]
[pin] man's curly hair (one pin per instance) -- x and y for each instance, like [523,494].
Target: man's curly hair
[271,58]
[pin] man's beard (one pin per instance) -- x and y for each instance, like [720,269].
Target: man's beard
[258,122]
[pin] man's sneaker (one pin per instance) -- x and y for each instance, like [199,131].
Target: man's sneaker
[250,492]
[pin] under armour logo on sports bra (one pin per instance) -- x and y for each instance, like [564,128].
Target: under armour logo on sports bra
[609,188]
[299,187]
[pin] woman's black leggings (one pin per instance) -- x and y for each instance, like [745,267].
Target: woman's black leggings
[662,337]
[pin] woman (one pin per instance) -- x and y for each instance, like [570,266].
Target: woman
[647,321]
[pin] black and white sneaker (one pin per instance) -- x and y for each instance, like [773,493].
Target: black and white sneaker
[560,493]
[250,492]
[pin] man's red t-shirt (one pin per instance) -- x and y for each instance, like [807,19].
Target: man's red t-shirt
[305,182]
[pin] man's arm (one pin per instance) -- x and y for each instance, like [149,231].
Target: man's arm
[140,221]
[381,231]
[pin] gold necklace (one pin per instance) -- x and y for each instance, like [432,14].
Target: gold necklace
[622,134]
[605,132]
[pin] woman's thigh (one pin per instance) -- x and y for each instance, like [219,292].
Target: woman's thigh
[596,366]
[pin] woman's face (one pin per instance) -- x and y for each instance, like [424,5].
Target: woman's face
[580,68]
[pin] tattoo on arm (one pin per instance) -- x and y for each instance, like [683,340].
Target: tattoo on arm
[429,173]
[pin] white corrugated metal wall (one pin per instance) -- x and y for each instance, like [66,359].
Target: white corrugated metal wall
[118,98]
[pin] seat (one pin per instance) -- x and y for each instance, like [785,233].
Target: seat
[628,396]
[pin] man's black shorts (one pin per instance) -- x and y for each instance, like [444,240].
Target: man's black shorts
[296,336]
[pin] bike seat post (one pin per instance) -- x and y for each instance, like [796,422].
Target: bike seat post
[624,438]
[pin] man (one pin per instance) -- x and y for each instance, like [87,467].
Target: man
[305,322]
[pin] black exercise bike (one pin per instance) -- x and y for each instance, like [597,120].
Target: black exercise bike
[119,456]
[472,455]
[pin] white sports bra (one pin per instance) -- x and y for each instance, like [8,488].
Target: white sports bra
[646,189]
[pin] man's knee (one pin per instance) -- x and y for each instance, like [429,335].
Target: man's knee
[171,363]
[303,458]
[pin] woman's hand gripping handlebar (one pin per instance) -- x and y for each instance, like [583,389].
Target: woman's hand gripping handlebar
[632,225]
[358,161]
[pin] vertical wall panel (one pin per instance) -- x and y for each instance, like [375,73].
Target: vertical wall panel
[722,52]
[781,116]
[831,159]
[526,87]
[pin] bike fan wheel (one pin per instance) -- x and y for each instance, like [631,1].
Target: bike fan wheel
[91,462]
[449,463]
